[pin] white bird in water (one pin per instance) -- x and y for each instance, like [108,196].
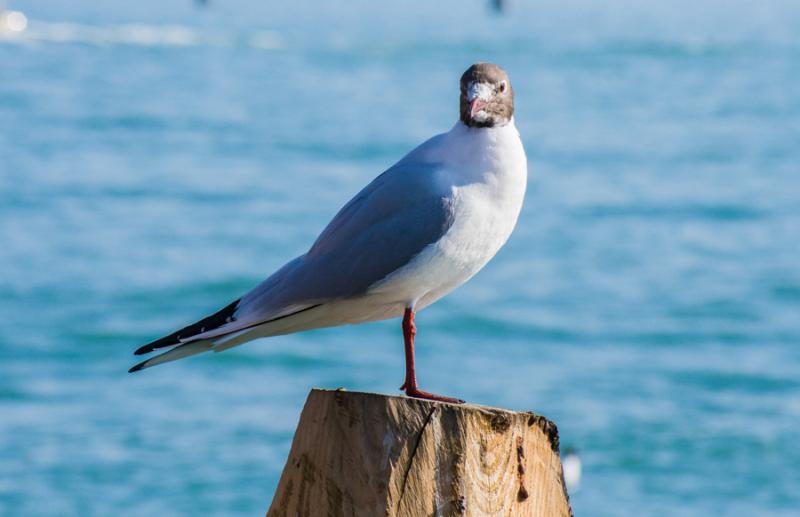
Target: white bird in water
[415,233]
[571,468]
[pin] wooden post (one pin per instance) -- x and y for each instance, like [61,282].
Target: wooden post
[362,454]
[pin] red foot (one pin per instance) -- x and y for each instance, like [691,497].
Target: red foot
[419,394]
[410,386]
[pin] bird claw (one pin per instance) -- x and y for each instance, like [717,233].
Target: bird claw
[419,394]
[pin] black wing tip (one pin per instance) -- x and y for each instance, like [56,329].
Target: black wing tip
[172,339]
[137,367]
[217,319]
[146,349]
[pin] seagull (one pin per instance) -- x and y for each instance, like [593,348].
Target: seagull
[419,230]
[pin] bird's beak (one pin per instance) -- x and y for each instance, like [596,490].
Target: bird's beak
[476,105]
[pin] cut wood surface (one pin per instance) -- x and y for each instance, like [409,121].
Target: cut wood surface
[362,454]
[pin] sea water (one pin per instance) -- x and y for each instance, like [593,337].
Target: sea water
[158,159]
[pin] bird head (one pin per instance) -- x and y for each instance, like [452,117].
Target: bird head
[487,99]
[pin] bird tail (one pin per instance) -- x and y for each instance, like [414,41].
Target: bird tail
[179,352]
[303,319]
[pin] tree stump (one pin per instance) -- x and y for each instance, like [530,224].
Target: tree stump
[362,454]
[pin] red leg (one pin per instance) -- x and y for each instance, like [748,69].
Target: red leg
[410,385]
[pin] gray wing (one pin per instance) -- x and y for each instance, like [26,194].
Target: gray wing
[379,231]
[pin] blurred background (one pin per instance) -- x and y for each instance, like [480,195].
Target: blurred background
[158,159]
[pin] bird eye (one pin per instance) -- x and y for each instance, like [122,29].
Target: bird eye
[502,87]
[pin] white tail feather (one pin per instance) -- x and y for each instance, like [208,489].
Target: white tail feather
[179,352]
[303,320]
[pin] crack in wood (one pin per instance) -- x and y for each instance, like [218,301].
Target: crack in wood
[353,455]
[413,454]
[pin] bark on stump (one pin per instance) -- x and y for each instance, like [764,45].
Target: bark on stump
[362,454]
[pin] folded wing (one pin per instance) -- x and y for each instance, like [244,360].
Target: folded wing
[379,231]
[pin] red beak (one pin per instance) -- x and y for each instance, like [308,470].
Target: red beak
[476,105]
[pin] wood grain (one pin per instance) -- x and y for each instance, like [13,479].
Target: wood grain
[361,454]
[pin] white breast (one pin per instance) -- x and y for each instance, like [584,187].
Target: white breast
[486,170]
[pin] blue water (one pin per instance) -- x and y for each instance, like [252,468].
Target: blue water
[158,159]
